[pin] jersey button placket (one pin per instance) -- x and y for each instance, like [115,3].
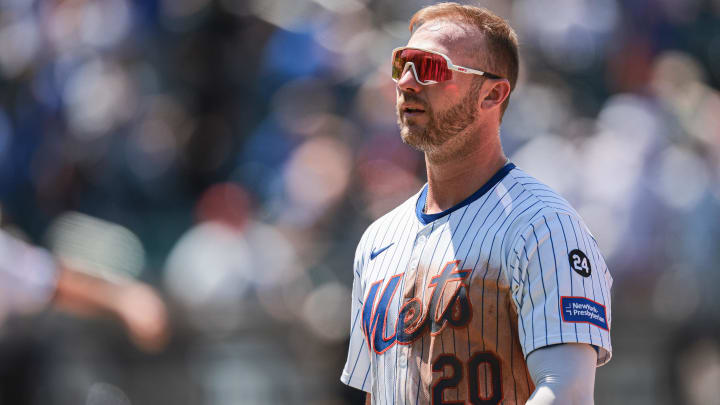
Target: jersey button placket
[415,258]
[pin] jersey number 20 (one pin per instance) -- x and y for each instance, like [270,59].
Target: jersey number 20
[473,367]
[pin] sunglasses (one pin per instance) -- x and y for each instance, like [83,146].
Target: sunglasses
[429,67]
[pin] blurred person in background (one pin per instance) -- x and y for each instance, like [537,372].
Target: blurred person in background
[31,278]
[486,286]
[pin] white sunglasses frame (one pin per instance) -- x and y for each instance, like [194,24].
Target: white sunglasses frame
[451,66]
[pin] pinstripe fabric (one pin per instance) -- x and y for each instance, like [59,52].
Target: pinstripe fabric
[451,309]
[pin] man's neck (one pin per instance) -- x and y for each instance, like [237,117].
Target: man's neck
[453,181]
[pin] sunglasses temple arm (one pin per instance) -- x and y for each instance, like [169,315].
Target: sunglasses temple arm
[468,70]
[462,69]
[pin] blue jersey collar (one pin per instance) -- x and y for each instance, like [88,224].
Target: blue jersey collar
[428,218]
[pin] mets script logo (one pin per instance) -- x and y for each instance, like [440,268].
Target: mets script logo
[412,321]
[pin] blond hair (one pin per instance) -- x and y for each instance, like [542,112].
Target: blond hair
[500,39]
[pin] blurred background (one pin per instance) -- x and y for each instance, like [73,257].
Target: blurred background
[231,153]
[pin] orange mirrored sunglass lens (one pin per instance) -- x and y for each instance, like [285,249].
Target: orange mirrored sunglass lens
[429,66]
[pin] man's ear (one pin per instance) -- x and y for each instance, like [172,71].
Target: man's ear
[496,96]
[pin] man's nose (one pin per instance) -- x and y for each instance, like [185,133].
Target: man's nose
[408,82]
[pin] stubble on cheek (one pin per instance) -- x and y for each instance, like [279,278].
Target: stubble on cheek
[437,130]
[457,118]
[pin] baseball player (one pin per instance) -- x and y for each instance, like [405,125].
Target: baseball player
[486,287]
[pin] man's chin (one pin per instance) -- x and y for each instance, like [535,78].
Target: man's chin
[416,139]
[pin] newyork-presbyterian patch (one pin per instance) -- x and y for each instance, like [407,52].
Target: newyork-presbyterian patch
[583,310]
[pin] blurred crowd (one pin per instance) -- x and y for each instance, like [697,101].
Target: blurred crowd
[231,153]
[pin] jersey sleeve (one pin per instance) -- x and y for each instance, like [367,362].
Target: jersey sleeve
[28,276]
[356,372]
[560,286]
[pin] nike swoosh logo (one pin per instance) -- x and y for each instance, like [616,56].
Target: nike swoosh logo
[374,253]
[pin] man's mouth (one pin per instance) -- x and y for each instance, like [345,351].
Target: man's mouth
[412,110]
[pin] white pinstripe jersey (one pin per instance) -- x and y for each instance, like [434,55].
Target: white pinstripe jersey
[447,306]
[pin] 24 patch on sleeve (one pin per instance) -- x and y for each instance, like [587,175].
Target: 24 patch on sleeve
[580,262]
[583,310]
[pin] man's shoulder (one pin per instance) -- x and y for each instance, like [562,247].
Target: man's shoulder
[542,204]
[542,198]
